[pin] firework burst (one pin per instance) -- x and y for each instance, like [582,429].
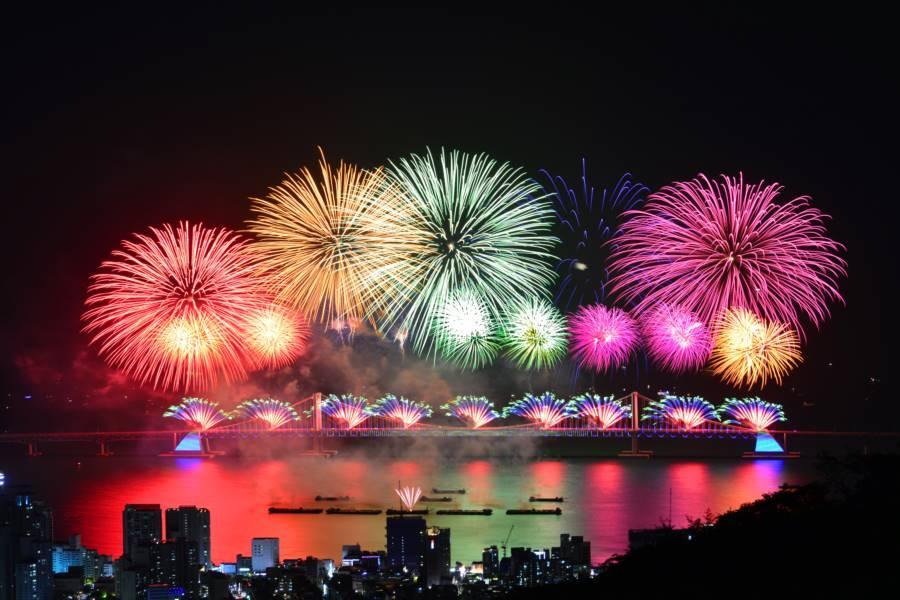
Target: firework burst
[274,413]
[197,412]
[276,336]
[328,245]
[754,413]
[170,308]
[464,330]
[710,246]
[474,411]
[409,496]
[480,224]
[534,334]
[348,409]
[588,223]
[681,411]
[605,411]
[676,339]
[749,350]
[402,410]
[602,338]
[546,410]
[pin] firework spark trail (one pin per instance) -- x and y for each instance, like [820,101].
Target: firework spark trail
[709,246]
[677,340]
[332,245]
[545,410]
[274,413]
[605,411]
[276,336]
[534,334]
[681,411]
[748,350]
[588,224]
[464,330]
[401,409]
[602,338]
[198,412]
[349,409]
[409,496]
[751,412]
[481,225]
[170,309]
[475,411]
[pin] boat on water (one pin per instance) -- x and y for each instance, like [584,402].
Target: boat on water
[440,491]
[299,510]
[484,512]
[332,498]
[545,499]
[435,499]
[534,511]
[396,511]
[352,511]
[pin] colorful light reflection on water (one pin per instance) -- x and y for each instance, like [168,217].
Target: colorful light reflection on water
[603,497]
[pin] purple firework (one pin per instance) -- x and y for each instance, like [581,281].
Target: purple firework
[677,340]
[602,338]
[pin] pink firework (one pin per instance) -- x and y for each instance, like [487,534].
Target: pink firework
[677,340]
[605,411]
[402,410]
[348,409]
[546,411]
[602,338]
[409,496]
[684,412]
[274,413]
[709,245]
[197,412]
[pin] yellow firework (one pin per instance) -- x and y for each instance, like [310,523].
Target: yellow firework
[750,350]
[328,243]
[277,336]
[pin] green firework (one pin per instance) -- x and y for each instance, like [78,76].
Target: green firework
[534,334]
[480,224]
[464,330]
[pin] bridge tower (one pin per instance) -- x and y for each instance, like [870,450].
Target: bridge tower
[635,451]
[317,411]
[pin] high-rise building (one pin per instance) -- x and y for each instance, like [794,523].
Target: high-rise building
[406,542]
[264,554]
[176,564]
[437,555]
[574,550]
[26,554]
[192,524]
[490,560]
[141,527]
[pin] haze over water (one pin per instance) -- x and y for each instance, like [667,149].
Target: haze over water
[604,498]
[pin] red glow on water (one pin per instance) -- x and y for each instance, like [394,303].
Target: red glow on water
[547,475]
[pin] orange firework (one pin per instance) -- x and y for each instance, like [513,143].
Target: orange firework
[170,308]
[750,350]
[277,336]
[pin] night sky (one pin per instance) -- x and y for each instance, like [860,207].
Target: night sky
[114,121]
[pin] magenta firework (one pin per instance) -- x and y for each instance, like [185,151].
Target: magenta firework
[602,338]
[402,410]
[754,413]
[350,410]
[603,411]
[474,411]
[684,412]
[713,245]
[677,340]
[546,410]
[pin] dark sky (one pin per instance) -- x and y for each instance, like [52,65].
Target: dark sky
[114,121]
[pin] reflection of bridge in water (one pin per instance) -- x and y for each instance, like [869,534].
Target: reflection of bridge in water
[318,427]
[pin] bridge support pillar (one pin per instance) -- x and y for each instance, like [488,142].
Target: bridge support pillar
[104,450]
[317,411]
[635,451]
[33,449]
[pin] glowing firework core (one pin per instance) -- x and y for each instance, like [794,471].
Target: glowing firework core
[752,412]
[683,412]
[606,412]
[409,496]
[402,410]
[546,411]
[475,411]
[602,338]
[349,409]
[198,412]
[274,413]
[749,350]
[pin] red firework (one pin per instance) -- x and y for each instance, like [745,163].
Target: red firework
[709,245]
[277,336]
[170,308]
